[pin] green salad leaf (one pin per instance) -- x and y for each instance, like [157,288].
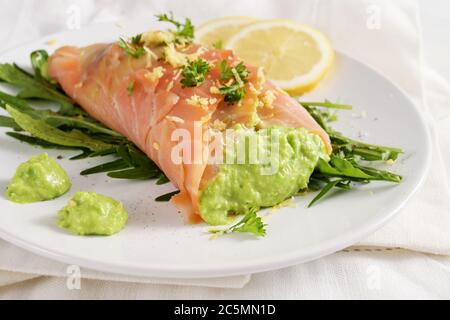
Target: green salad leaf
[8,122]
[345,167]
[44,131]
[39,62]
[166,197]
[32,88]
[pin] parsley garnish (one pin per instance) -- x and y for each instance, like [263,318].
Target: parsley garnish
[130,88]
[184,32]
[235,91]
[251,223]
[194,73]
[133,47]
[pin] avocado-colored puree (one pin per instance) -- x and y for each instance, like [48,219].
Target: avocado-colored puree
[236,188]
[89,213]
[39,179]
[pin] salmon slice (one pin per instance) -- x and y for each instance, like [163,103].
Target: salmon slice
[99,78]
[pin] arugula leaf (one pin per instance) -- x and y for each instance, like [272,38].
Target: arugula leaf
[194,73]
[86,153]
[55,119]
[330,185]
[38,142]
[321,117]
[166,197]
[138,173]
[218,45]
[18,103]
[184,32]
[106,167]
[44,131]
[140,159]
[349,147]
[347,154]
[61,130]
[250,223]
[370,152]
[339,167]
[8,122]
[380,174]
[32,88]
[103,153]
[79,122]
[162,179]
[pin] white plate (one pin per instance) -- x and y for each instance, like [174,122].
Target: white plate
[157,243]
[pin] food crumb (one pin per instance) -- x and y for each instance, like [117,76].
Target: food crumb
[390,162]
[51,42]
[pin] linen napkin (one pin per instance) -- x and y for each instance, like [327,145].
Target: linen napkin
[381,33]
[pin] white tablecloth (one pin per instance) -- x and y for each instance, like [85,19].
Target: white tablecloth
[389,41]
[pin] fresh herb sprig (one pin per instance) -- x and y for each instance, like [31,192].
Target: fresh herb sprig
[184,32]
[8,122]
[133,47]
[194,73]
[235,79]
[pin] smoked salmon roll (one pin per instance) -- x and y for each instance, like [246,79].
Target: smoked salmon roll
[159,88]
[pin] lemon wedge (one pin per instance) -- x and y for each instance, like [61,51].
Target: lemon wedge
[295,57]
[218,31]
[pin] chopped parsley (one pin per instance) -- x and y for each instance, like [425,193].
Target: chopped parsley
[236,77]
[251,223]
[133,47]
[130,88]
[233,93]
[194,73]
[184,32]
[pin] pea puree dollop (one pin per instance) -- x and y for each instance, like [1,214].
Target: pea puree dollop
[239,187]
[89,213]
[39,179]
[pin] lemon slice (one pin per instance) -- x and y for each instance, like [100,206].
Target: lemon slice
[295,57]
[220,30]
